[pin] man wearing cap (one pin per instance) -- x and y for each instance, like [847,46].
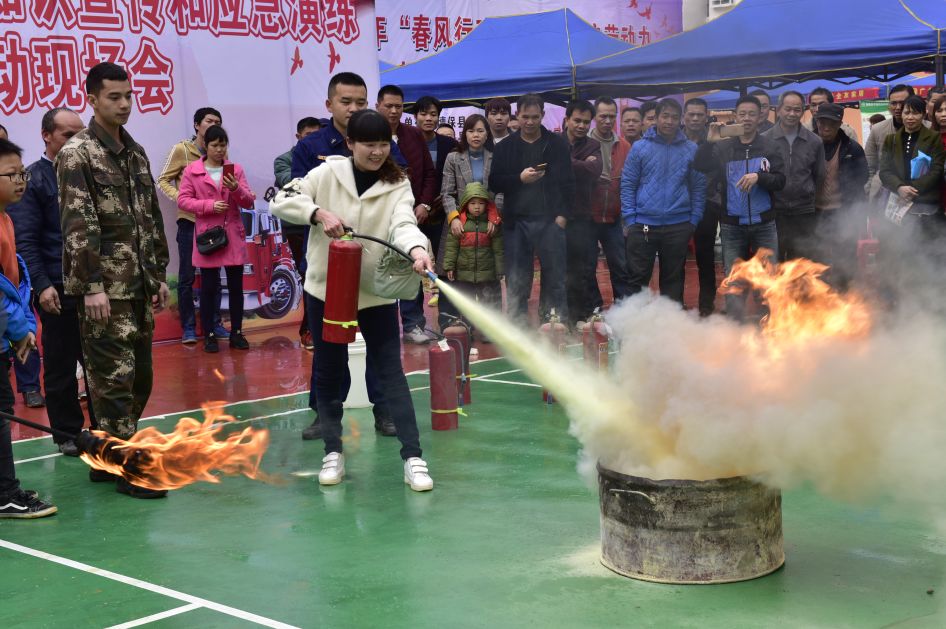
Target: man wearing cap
[840,201]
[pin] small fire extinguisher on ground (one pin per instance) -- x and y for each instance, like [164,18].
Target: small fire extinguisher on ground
[554,333]
[444,396]
[595,339]
[459,337]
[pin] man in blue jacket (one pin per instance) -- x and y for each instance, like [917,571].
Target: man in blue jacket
[662,199]
[39,242]
[749,168]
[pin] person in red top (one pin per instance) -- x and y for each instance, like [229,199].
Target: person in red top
[606,201]
[423,177]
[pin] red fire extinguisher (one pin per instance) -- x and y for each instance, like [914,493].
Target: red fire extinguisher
[458,335]
[553,333]
[594,341]
[340,320]
[444,406]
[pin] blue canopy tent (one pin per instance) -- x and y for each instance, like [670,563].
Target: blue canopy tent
[508,56]
[768,43]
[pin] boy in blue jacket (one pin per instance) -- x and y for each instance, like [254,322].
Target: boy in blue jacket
[662,199]
[18,331]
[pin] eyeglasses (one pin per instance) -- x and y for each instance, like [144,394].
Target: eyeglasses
[22,177]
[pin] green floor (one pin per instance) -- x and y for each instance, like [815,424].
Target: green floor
[508,538]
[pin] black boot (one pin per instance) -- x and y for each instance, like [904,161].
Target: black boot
[122,486]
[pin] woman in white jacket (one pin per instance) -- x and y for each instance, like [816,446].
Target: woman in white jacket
[370,194]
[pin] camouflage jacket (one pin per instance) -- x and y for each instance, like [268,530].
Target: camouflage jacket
[112,229]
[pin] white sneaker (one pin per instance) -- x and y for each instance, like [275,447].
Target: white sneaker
[333,469]
[474,352]
[416,336]
[416,474]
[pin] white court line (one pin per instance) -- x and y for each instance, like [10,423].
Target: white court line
[154,617]
[521,384]
[144,585]
[39,458]
[262,399]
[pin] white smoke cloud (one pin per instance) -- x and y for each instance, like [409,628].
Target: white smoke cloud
[854,417]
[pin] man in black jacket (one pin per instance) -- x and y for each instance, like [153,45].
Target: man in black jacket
[39,243]
[533,169]
[841,200]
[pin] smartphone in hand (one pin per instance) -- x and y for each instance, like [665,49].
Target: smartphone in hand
[730,131]
[540,167]
[228,170]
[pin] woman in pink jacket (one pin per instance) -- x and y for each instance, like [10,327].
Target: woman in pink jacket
[215,199]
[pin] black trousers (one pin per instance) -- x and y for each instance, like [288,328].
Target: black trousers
[797,236]
[581,284]
[704,241]
[8,481]
[379,327]
[297,237]
[210,288]
[62,345]
[669,242]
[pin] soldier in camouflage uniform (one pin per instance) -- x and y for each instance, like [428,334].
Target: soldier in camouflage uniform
[114,256]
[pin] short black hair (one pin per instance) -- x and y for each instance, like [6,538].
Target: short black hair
[9,148]
[786,94]
[48,125]
[216,133]
[915,103]
[426,102]
[105,71]
[761,93]
[307,122]
[749,99]
[345,78]
[497,104]
[530,100]
[605,100]
[635,109]
[876,118]
[580,106]
[203,112]
[669,103]
[367,125]
[936,90]
[648,107]
[823,91]
[696,102]
[900,87]
[392,90]
[445,125]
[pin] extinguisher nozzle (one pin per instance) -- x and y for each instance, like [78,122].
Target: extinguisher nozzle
[432,276]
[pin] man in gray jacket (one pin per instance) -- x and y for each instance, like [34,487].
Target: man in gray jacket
[794,204]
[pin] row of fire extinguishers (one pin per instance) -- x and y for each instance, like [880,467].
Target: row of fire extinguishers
[595,342]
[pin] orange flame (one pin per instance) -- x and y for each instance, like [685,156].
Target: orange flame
[191,453]
[802,306]
[219,375]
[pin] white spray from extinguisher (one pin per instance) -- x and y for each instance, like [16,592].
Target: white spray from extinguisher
[594,403]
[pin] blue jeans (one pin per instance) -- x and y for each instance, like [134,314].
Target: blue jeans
[27,374]
[375,392]
[741,242]
[330,368]
[412,312]
[185,277]
[522,241]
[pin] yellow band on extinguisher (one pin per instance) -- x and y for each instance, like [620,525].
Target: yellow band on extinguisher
[458,411]
[468,376]
[344,324]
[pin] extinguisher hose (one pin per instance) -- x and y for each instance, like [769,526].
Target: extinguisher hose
[380,241]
